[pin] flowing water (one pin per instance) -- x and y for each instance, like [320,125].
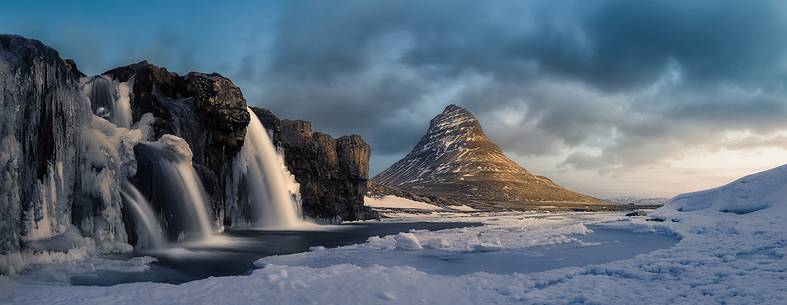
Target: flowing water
[110,99]
[121,115]
[172,182]
[271,190]
[145,217]
[234,251]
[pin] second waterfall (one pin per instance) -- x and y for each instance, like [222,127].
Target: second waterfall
[271,192]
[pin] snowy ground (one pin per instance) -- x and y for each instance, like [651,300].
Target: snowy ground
[394,202]
[721,258]
[398,203]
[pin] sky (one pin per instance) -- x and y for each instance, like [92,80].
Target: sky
[608,97]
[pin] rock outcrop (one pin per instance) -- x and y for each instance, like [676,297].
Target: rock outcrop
[456,160]
[62,162]
[332,172]
[207,110]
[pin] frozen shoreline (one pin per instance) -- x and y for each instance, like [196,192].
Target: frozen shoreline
[720,258]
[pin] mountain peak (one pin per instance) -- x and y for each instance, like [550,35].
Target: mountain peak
[456,159]
[452,107]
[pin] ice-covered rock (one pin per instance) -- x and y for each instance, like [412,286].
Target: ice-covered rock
[40,115]
[60,163]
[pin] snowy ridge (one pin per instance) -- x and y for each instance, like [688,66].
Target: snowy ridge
[456,159]
[764,192]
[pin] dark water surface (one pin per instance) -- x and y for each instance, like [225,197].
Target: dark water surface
[239,249]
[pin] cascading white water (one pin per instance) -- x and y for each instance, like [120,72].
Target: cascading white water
[272,190]
[121,115]
[146,219]
[176,184]
[109,99]
[195,194]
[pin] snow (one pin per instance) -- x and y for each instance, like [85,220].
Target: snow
[463,208]
[407,241]
[711,264]
[762,191]
[394,202]
[723,257]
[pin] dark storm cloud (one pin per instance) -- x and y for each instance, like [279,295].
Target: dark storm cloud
[632,80]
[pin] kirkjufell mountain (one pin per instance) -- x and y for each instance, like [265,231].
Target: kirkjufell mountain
[455,159]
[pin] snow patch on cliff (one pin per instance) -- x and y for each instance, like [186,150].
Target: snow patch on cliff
[394,202]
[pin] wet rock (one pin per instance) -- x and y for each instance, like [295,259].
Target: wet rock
[271,123]
[220,104]
[636,213]
[207,110]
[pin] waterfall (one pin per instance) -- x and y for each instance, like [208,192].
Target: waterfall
[109,99]
[271,190]
[121,115]
[144,216]
[173,183]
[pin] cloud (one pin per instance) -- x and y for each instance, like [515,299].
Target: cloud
[609,84]
[606,85]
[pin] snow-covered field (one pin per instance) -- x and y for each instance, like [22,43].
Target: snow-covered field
[399,203]
[394,202]
[722,257]
[731,251]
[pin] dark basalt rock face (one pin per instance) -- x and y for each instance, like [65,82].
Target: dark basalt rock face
[72,66]
[332,172]
[271,123]
[209,112]
[221,106]
[456,160]
[206,110]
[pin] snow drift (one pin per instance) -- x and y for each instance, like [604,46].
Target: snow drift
[758,192]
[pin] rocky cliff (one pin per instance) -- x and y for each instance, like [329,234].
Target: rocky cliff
[332,172]
[58,162]
[455,159]
[206,110]
[65,152]
[39,122]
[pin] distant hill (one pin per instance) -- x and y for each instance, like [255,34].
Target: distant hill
[630,200]
[455,159]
